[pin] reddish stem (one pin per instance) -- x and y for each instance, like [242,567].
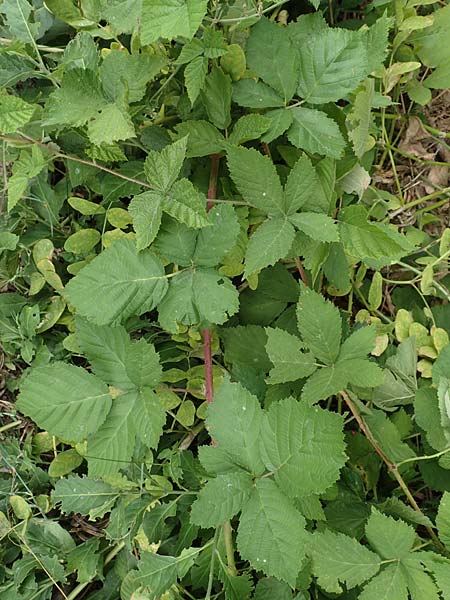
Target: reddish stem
[215,158]
[209,380]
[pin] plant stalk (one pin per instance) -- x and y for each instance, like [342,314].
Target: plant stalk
[392,468]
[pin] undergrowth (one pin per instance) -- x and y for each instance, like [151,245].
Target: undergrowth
[224,314]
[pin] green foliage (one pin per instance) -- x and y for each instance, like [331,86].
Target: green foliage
[224,312]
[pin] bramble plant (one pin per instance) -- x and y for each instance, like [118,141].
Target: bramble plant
[224,321]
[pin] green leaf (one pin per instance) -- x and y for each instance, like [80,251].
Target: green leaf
[215,241]
[331,65]
[142,364]
[217,98]
[198,297]
[121,72]
[65,400]
[388,437]
[106,349]
[234,421]
[78,100]
[320,325]
[281,120]
[111,447]
[271,534]
[14,113]
[176,242]
[285,353]
[85,559]
[195,76]
[117,284]
[324,383]
[390,538]
[255,94]
[256,179]
[204,138]
[443,519]
[321,228]
[18,13]
[146,212]
[301,186]
[303,446]
[268,244]
[221,499]
[149,418]
[162,168]
[271,55]
[82,241]
[84,496]
[376,40]
[170,18]
[360,343]
[360,118]
[110,125]
[248,127]
[388,584]
[186,204]
[339,558]
[313,131]
[237,587]
[367,240]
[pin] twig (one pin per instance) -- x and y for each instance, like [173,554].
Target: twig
[392,467]
[301,271]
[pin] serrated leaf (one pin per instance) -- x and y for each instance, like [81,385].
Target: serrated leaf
[77,100]
[149,418]
[216,97]
[255,94]
[359,118]
[65,400]
[331,65]
[320,325]
[376,40]
[132,70]
[303,446]
[285,353]
[142,364]
[110,448]
[443,519]
[234,420]
[84,496]
[320,228]
[271,534]
[390,538]
[14,113]
[198,297]
[388,584]
[268,244]
[146,211]
[237,587]
[221,499]
[368,240]
[111,125]
[194,77]
[170,18]
[162,168]
[18,21]
[106,349]
[248,127]
[359,344]
[204,138]
[186,204]
[280,121]
[301,185]
[313,131]
[121,283]
[339,558]
[271,55]
[215,241]
[324,383]
[256,179]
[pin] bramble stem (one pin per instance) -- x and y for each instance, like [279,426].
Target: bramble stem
[392,467]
